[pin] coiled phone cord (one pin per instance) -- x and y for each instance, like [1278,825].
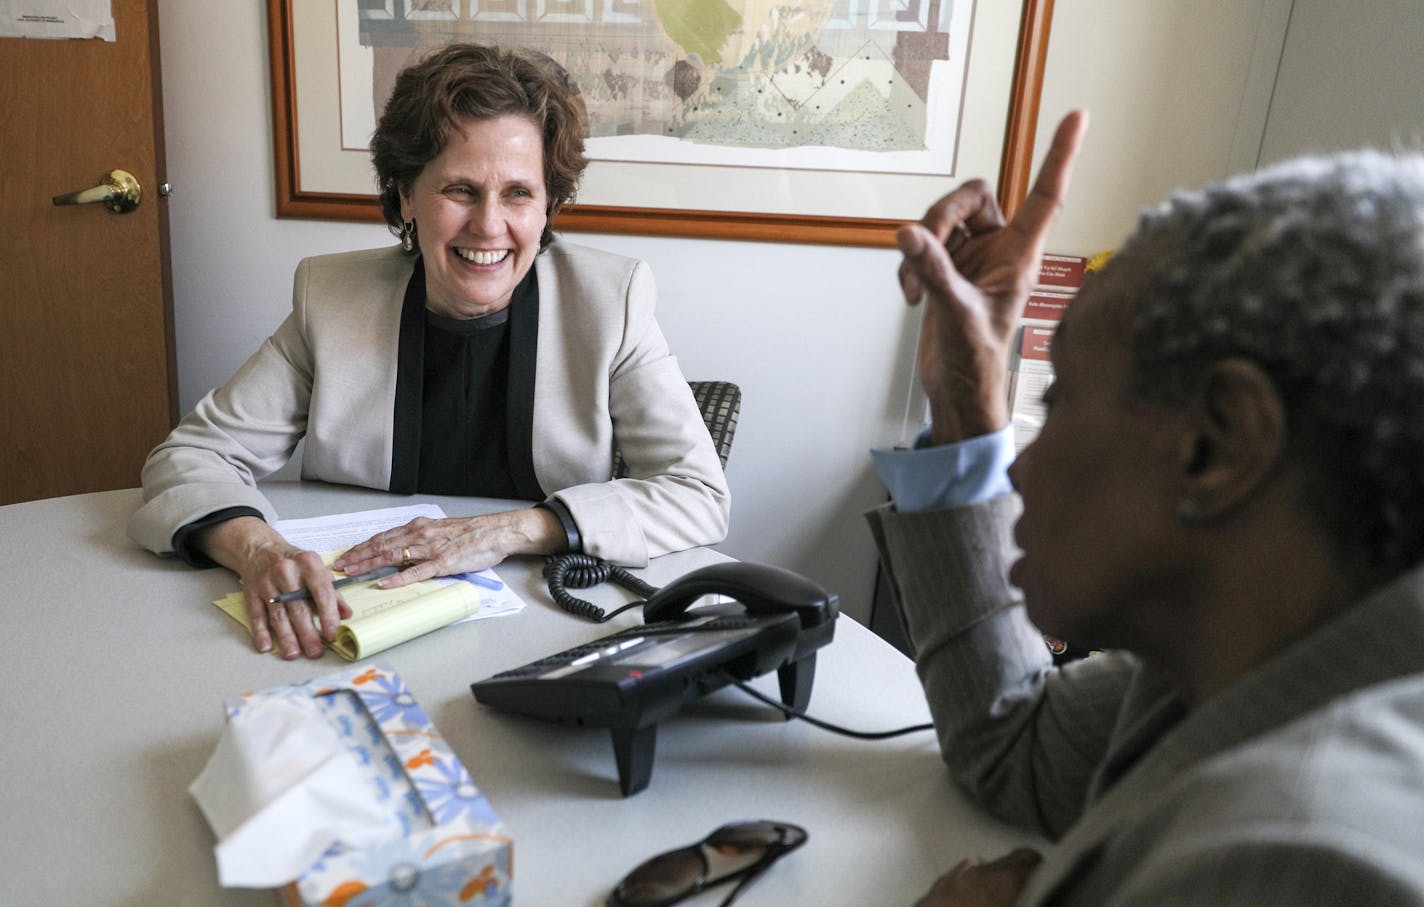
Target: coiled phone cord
[582,571]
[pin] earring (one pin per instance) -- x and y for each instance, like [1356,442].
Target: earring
[407,235]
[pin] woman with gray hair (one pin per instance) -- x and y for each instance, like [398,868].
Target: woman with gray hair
[1225,497]
[481,356]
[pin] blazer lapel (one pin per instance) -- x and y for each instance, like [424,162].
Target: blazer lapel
[410,383]
[523,356]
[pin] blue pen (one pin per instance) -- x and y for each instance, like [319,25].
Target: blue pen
[481,580]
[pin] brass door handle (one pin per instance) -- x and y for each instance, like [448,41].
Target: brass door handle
[119,191]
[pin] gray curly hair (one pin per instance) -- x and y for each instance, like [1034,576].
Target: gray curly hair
[1313,269]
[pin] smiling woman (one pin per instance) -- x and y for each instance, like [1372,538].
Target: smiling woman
[477,212]
[482,356]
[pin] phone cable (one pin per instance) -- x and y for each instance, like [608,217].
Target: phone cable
[582,571]
[789,712]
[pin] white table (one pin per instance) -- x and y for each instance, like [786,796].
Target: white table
[116,665]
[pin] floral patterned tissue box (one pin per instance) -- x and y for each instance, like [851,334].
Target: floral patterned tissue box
[454,851]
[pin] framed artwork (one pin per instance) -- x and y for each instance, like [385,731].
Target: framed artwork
[812,121]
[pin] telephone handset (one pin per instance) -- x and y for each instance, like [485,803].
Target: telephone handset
[761,588]
[632,679]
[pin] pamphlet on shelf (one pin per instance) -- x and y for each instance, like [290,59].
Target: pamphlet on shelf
[1062,271]
[1033,373]
[1046,305]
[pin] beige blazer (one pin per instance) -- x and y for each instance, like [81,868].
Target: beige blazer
[1301,784]
[603,374]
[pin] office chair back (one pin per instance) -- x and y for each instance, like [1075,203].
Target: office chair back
[720,403]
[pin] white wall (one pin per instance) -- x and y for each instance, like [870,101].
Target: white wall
[1350,75]
[1177,90]
[816,336]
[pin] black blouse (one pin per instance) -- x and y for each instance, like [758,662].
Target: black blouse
[463,425]
[464,406]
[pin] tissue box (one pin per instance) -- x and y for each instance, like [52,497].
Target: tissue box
[454,849]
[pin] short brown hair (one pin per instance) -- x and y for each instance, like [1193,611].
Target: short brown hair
[473,81]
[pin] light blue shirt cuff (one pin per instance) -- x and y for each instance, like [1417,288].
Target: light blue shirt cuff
[948,475]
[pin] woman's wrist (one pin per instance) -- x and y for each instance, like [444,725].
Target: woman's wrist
[541,531]
[573,540]
[238,542]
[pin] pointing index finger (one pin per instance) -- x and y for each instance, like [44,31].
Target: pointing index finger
[1040,207]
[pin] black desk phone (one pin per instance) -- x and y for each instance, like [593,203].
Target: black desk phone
[632,679]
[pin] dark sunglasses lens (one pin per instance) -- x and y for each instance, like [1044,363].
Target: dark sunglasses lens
[663,879]
[748,835]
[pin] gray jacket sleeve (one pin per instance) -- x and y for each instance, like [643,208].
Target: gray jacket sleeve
[1022,738]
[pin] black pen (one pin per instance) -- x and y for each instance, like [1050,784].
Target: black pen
[345,581]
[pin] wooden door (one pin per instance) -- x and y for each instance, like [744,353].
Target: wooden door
[87,375]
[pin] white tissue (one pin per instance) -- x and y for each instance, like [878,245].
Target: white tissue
[280,789]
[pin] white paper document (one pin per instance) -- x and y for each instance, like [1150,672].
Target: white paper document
[342,530]
[57,19]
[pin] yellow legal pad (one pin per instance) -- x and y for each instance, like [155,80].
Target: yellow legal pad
[382,618]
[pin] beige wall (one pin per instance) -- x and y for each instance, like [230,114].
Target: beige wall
[1177,90]
[1350,75]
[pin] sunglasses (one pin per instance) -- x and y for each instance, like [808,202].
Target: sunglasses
[740,851]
